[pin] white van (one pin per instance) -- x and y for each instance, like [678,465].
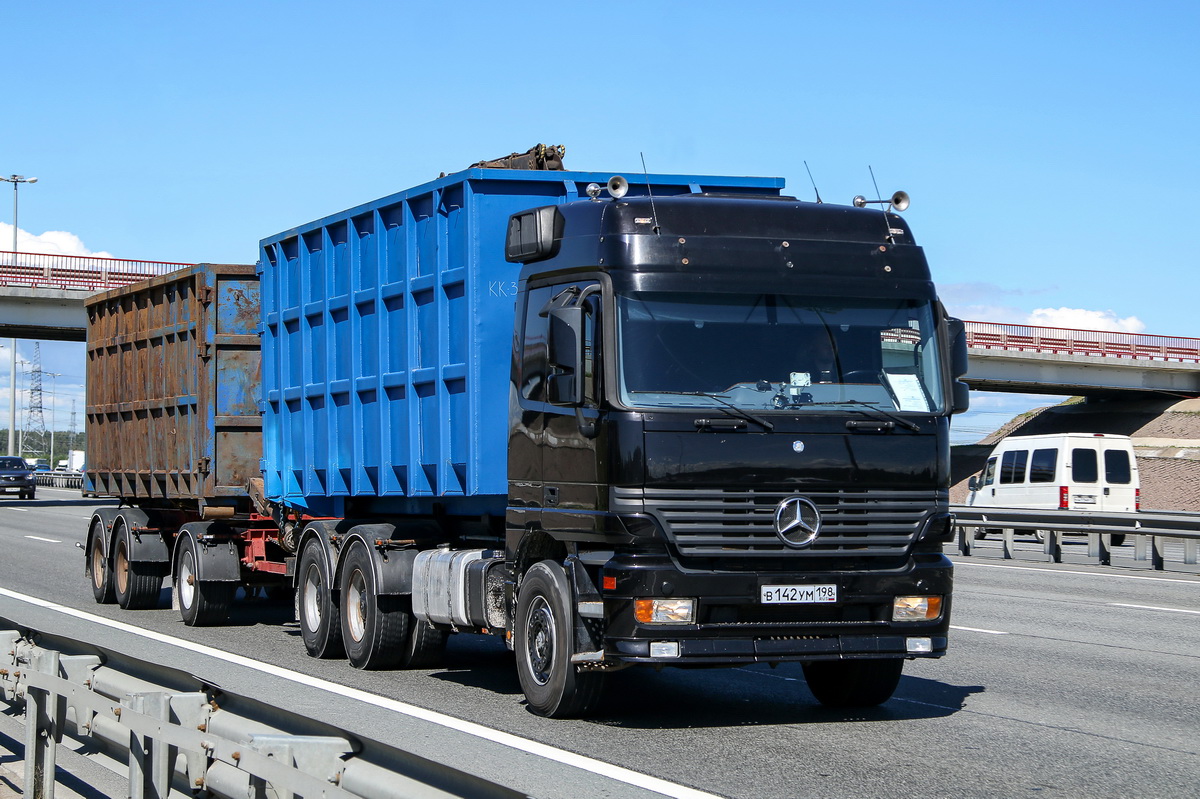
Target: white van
[1067,471]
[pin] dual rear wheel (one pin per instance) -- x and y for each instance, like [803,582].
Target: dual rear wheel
[115,577]
[373,631]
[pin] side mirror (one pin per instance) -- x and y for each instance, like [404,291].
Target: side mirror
[958,347]
[973,483]
[533,235]
[961,398]
[565,345]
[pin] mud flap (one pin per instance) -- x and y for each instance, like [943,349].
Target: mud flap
[588,618]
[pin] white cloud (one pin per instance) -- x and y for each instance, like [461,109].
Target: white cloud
[986,302]
[52,242]
[1083,319]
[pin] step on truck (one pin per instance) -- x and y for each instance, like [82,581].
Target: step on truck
[679,420]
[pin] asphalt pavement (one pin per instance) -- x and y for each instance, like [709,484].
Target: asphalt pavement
[1068,680]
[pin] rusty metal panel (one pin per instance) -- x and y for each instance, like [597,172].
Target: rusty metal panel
[173,369]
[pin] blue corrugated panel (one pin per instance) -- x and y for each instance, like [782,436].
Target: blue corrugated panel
[387,332]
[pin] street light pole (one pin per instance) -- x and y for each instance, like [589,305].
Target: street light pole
[16,180]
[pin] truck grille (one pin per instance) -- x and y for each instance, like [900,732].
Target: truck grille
[706,523]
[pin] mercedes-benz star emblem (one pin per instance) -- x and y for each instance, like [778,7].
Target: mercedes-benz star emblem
[797,521]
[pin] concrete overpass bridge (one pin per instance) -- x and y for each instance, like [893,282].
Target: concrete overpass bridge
[41,297]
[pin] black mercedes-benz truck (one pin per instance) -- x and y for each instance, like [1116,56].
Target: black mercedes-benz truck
[728,443]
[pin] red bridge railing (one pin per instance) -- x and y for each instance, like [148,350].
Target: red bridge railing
[1102,343]
[76,272]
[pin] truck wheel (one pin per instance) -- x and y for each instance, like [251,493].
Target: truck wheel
[135,589]
[97,566]
[425,646]
[542,639]
[980,533]
[320,626]
[1118,539]
[373,626]
[853,683]
[200,603]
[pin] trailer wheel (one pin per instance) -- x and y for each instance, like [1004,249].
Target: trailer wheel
[97,566]
[134,588]
[553,686]
[373,626]
[201,604]
[320,625]
[853,683]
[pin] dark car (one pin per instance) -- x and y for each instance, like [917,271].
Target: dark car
[16,477]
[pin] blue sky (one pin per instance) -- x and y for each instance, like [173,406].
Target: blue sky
[1049,148]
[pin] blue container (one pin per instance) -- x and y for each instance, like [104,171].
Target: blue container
[387,337]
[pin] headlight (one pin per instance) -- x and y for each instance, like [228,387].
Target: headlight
[916,608]
[664,611]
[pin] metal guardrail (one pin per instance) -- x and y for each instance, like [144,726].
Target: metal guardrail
[77,272]
[1102,343]
[1150,531]
[59,479]
[173,737]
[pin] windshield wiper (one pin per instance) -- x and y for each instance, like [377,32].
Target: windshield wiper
[724,401]
[908,424]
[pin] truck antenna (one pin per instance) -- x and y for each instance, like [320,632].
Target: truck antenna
[650,191]
[810,178]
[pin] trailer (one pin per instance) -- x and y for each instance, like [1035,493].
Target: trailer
[674,421]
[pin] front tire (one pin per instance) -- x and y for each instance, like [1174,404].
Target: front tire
[373,626]
[553,686]
[316,604]
[853,683]
[135,589]
[201,604]
[98,570]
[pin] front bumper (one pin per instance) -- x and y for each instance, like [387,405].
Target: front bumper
[732,626]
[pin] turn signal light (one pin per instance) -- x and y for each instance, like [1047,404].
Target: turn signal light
[916,608]
[664,611]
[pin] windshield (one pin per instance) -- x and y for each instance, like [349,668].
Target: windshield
[13,463]
[777,352]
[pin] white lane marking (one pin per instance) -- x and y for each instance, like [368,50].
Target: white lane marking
[772,676]
[1152,607]
[925,704]
[21,510]
[978,630]
[958,563]
[582,762]
[47,540]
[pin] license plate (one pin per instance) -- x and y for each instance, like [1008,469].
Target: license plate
[1085,499]
[797,594]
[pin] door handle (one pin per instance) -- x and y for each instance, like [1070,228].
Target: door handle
[550,495]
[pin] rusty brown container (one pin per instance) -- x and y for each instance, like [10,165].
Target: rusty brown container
[173,375]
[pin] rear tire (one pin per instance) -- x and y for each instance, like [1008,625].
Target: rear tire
[553,685]
[374,627]
[98,569]
[316,604]
[853,683]
[1118,539]
[135,589]
[201,604]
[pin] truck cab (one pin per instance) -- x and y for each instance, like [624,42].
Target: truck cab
[729,419]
